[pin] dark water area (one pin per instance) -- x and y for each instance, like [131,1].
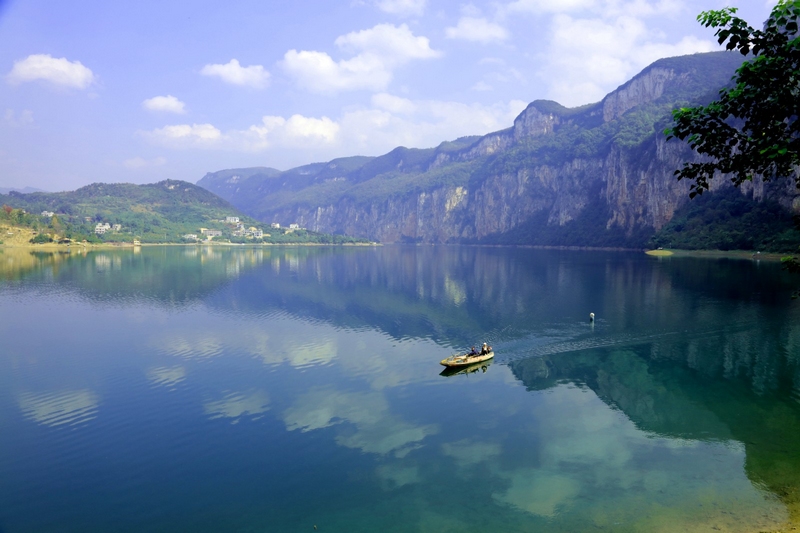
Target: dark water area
[278,389]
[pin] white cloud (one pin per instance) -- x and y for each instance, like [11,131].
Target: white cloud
[57,71]
[592,46]
[318,72]
[185,135]
[393,104]
[168,103]
[477,29]
[395,43]
[602,8]
[389,122]
[394,121]
[140,162]
[378,51]
[620,47]
[232,72]
[23,119]
[403,8]
[550,6]
[296,131]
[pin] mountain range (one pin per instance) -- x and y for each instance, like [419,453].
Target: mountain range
[24,190]
[596,175]
[167,211]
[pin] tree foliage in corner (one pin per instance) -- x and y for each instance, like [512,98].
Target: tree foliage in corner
[753,128]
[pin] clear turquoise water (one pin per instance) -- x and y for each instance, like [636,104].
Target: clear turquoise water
[211,389]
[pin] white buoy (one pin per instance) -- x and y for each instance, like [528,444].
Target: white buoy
[591,317]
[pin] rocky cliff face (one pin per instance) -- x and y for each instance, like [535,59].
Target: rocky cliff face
[606,164]
[636,195]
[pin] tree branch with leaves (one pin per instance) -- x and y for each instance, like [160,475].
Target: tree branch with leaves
[753,128]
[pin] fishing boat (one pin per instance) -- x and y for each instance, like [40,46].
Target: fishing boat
[465,359]
[465,370]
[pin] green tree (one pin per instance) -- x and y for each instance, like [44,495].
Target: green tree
[753,128]
[41,239]
[55,224]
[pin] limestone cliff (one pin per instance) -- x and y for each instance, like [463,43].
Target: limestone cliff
[601,174]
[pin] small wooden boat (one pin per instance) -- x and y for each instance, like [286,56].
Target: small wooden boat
[469,369]
[465,359]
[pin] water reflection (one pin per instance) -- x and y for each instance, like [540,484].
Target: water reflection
[168,275]
[167,377]
[310,377]
[70,408]
[468,453]
[372,428]
[235,405]
[466,370]
[395,476]
[687,390]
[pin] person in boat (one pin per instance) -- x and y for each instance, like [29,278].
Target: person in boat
[485,349]
[472,352]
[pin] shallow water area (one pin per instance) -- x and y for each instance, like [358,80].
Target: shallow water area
[275,389]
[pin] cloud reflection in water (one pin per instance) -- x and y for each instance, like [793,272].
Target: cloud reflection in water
[59,408]
[166,376]
[236,405]
[375,429]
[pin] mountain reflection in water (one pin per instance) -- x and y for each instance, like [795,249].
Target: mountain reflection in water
[274,388]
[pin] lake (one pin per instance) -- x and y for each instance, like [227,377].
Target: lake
[212,389]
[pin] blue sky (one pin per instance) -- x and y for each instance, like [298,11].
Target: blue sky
[143,91]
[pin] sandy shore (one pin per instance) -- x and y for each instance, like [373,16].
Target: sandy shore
[719,254]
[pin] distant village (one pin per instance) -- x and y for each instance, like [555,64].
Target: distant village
[238,229]
[230,228]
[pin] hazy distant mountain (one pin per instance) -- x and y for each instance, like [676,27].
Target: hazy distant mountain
[24,190]
[597,175]
[229,183]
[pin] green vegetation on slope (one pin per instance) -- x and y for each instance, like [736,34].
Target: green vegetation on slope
[588,229]
[168,211]
[729,220]
[579,134]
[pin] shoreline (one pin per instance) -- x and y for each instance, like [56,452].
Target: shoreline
[112,246]
[661,253]
[719,254]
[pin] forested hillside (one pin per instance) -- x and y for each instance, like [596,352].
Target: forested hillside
[597,175]
[151,213]
[168,211]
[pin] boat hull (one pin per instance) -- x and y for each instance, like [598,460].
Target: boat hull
[451,371]
[456,361]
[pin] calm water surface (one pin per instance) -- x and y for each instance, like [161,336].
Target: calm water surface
[210,389]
